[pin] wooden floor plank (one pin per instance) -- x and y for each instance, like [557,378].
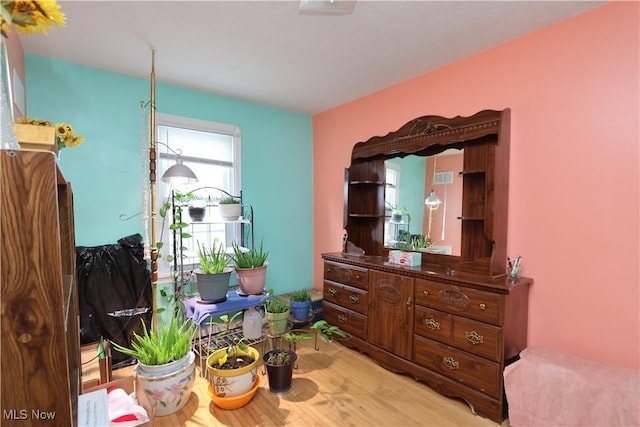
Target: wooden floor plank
[335,386]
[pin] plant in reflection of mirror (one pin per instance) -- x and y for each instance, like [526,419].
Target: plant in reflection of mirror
[421,242]
[413,242]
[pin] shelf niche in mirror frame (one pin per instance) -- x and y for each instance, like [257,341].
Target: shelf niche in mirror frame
[484,138]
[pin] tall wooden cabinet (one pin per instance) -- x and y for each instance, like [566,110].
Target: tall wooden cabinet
[39,347]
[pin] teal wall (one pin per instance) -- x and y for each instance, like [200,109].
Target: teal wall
[411,190]
[106,171]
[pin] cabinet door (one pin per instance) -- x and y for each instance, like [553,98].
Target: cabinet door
[391,312]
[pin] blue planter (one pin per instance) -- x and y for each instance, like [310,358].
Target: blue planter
[300,310]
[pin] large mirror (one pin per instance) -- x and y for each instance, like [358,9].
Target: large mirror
[412,224]
[468,232]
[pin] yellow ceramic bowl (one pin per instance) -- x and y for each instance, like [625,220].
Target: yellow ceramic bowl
[234,402]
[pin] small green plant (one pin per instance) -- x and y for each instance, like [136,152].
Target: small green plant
[174,205]
[229,200]
[253,258]
[164,345]
[231,345]
[421,242]
[320,328]
[213,260]
[276,305]
[301,295]
[279,358]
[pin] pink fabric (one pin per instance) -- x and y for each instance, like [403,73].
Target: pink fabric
[123,409]
[550,387]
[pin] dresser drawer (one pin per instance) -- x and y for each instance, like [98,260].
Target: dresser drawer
[347,274]
[473,371]
[478,338]
[349,297]
[347,320]
[433,324]
[479,305]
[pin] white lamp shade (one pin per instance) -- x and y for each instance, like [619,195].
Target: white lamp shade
[432,200]
[179,174]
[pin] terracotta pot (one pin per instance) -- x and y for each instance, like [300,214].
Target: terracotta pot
[252,280]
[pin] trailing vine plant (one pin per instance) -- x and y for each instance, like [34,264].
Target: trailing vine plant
[174,205]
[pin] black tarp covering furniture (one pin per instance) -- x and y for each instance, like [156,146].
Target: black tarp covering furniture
[114,291]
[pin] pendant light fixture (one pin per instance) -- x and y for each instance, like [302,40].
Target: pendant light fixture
[178,173]
[433,201]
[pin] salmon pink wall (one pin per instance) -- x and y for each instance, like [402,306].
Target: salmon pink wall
[573,88]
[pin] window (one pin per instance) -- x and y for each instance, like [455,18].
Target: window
[391,196]
[392,181]
[212,152]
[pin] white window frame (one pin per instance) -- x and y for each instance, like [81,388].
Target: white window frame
[165,268]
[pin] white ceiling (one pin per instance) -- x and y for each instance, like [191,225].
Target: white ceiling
[267,52]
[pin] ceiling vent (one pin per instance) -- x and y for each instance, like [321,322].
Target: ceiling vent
[326,7]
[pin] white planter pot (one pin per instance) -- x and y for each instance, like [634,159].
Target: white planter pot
[167,387]
[230,212]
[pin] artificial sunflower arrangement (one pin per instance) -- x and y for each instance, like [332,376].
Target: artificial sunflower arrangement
[64,132]
[30,16]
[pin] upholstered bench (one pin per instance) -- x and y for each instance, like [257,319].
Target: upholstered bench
[550,387]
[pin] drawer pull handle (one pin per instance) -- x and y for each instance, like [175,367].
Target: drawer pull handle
[329,270]
[425,293]
[408,303]
[342,318]
[451,363]
[332,292]
[354,299]
[474,338]
[358,276]
[483,306]
[431,323]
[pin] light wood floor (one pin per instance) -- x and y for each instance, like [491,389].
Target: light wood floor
[335,386]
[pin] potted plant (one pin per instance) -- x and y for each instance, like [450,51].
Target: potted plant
[230,208]
[214,272]
[280,362]
[300,302]
[251,268]
[232,368]
[277,312]
[166,364]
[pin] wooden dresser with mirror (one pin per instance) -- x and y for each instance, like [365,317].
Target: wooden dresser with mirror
[456,320]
